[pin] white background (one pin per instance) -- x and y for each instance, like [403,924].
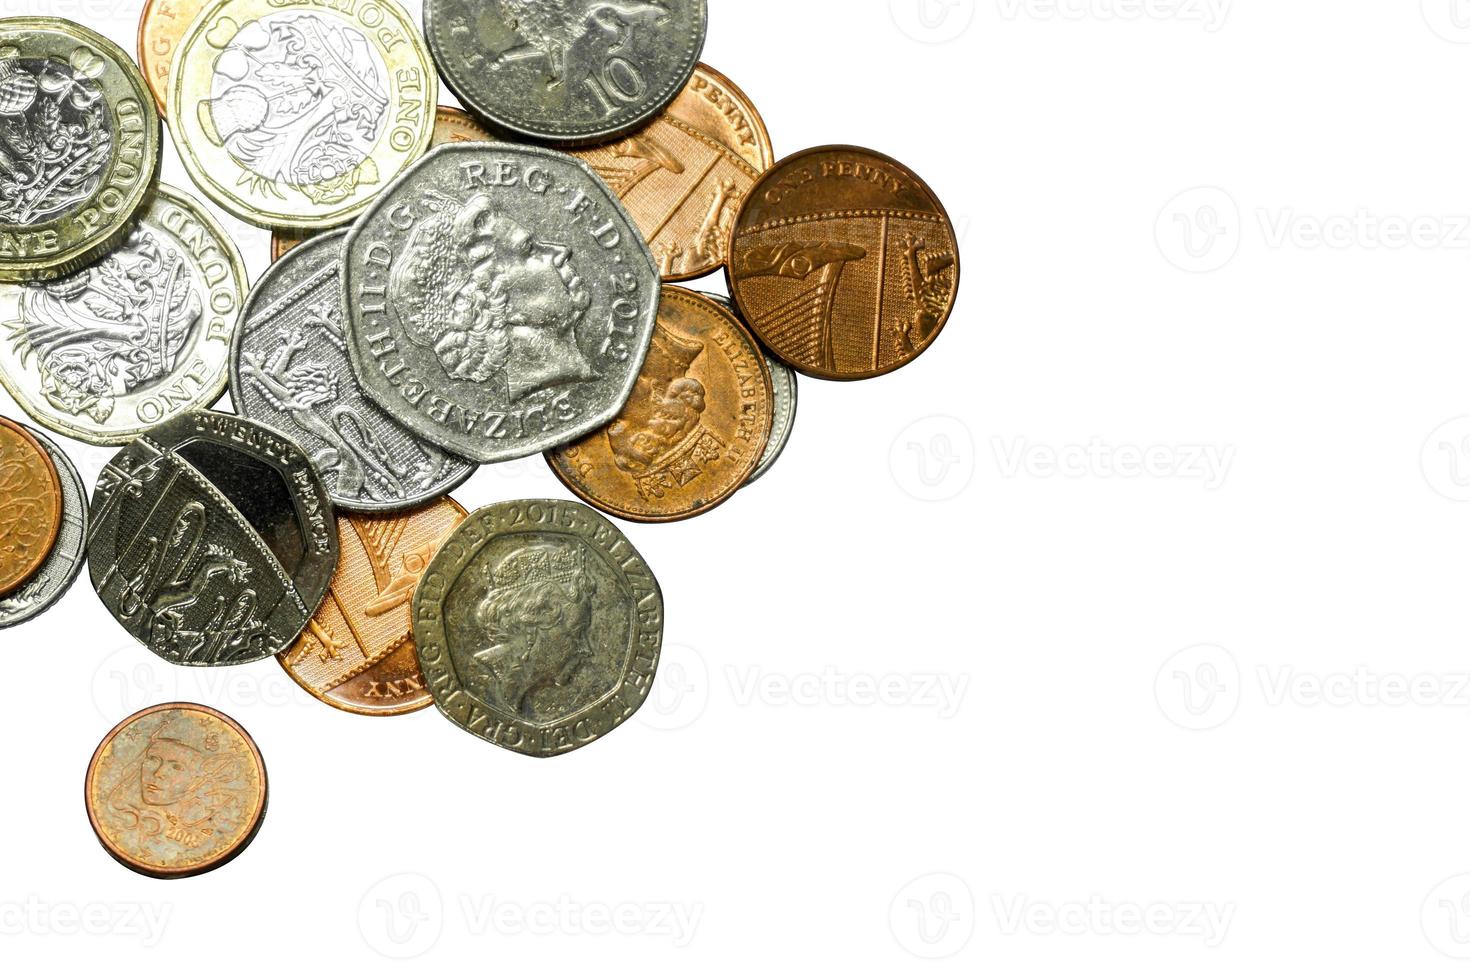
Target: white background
[1155,563]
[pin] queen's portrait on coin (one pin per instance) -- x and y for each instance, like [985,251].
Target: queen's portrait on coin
[176,789]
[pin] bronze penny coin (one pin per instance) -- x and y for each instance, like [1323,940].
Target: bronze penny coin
[684,176]
[357,653]
[161,27]
[844,263]
[450,126]
[694,428]
[176,790]
[30,505]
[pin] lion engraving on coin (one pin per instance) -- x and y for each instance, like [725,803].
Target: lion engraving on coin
[494,302]
[557,32]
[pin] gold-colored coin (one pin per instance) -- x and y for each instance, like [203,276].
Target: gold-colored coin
[30,505]
[79,149]
[161,27]
[694,428]
[176,790]
[684,176]
[357,653]
[450,126]
[298,111]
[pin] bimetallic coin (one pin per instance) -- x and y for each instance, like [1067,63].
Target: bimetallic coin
[450,126]
[684,175]
[844,263]
[539,626]
[783,387]
[289,369]
[30,505]
[80,146]
[176,790]
[60,569]
[567,71]
[695,427]
[501,300]
[134,339]
[300,111]
[357,653]
[161,27]
[212,540]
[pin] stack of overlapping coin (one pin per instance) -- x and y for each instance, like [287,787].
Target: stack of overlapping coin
[450,289]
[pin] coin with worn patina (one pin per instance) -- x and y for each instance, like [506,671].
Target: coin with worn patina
[295,113]
[501,300]
[135,338]
[450,126]
[290,369]
[538,626]
[567,71]
[161,27]
[30,505]
[79,140]
[684,175]
[59,571]
[783,387]
[176,790]
[357,653]
[695,427]
[212,540]
[844,263]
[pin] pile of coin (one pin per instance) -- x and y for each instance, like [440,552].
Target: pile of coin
[450,289]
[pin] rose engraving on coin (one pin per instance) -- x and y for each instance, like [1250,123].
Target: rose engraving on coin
[501,300]
[357,652]
[693,430]
[844,263]
[79,139]
[290,369]
[176,790]
[30,505]
[134,339]
[301,110]
[569,71]
[538,626]
[212,540]
[56,575]
[684,176]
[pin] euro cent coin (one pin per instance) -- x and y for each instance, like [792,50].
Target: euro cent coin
[80,146]
[539,626]
[176,790]
[51,581]
[570,71]
[501,300]
[296,113]
[30,505]
[212,540]
[134,339]
[844,263]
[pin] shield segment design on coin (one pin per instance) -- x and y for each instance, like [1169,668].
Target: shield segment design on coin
[212,540]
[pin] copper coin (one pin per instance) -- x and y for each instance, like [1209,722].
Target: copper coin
[694,428]
[684,176]
[160,28]
[844,263]
[357,653]
[450,126]
[176,790]
[30,505]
